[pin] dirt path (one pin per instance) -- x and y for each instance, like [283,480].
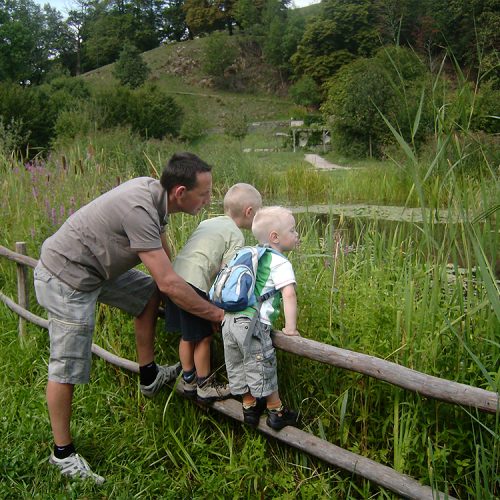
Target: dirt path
[322,164]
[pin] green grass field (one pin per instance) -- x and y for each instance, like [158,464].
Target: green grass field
[372,287]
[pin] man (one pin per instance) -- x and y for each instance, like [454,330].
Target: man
[90,259]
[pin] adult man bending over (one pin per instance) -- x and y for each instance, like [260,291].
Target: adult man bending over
[90,259]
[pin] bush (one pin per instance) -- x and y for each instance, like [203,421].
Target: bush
[28,109]
[194,126]
[73,122]
[305,92]
[130,69]
[235,125]
[219,53]
[389,84]
[111,107]
[153,113]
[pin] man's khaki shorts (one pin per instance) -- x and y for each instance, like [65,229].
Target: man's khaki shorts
[71,316]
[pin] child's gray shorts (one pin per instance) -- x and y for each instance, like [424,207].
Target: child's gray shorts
[250,358]
[71,316]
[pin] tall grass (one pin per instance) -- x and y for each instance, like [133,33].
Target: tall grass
[422,295]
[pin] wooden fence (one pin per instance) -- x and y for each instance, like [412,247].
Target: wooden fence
[425,385]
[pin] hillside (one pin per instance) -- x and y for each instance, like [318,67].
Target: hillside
[256,90]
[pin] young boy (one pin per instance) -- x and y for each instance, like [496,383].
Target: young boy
[250,356]
[212,244]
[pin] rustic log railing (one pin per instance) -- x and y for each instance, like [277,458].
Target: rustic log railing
[401,376]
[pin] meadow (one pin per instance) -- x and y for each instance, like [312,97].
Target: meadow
[421,295]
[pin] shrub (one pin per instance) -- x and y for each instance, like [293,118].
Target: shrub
[194,126]
[218,54]
[111,107]
[153,113]
[305,92]
[235,125]
[130,69]
[73,122]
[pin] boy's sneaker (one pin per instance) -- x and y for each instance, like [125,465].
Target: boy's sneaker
[281,418]
[212,391]
[75,466]
[165,375]
[189,388]
[251,416]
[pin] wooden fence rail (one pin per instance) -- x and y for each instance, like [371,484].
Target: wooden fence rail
[406,378]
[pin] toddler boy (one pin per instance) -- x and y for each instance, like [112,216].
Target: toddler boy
[250,355]
[211,246]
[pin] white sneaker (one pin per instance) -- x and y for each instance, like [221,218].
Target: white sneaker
[75,466]
[165,375]
[212,391]
[189,388]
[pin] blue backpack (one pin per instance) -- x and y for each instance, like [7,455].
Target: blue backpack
[234,287]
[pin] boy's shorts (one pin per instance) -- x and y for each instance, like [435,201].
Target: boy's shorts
[192,328]
[250,361]
[71,316]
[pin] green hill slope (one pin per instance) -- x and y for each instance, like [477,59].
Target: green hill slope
[257,91]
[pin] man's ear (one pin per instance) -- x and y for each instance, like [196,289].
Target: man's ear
[179,191]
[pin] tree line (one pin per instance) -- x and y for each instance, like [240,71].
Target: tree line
[315,41]
[359,62]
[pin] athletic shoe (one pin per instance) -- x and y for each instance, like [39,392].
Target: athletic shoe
[212,391]
[278,419]
[75,466]
[251,416]
[165,375]
[189,388]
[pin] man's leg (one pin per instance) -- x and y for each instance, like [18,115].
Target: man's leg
[145,325]
[59,399]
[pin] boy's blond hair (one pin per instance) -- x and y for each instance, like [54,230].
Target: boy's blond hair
[266,220]
[239,197]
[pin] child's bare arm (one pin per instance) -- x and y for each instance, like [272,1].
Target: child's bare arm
[290,309]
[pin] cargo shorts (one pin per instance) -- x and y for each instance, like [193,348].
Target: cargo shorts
[71,315]
[250,356]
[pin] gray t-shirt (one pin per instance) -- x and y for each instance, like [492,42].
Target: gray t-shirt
[101,240]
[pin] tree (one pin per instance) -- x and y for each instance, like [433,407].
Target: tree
[31,39]
[130,69]
[174,26]
[344,31]
[219,53]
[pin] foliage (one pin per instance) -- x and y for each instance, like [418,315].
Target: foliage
[130,69]
[341,33]
[194,126]
[389,85]
[364,284]
[154,113]
[235,125]
[219,53]
[305,92]
[31,37]
[27,107]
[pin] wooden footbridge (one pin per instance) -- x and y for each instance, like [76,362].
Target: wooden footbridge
[425,385]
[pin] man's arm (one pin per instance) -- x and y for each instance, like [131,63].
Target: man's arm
[290,309]
[171,284]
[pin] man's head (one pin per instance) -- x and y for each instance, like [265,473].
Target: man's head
[188,182]
[241,203]
[275,226]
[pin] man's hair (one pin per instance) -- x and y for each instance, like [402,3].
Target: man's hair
[182,170]
[266,220]
[239,197]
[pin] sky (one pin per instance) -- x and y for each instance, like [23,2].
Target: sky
[64,5]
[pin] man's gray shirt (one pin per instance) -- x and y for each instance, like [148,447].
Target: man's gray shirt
[101,240]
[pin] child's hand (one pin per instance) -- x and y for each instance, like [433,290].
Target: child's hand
[291,333]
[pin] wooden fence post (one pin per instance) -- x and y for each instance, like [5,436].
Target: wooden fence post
[22,287]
